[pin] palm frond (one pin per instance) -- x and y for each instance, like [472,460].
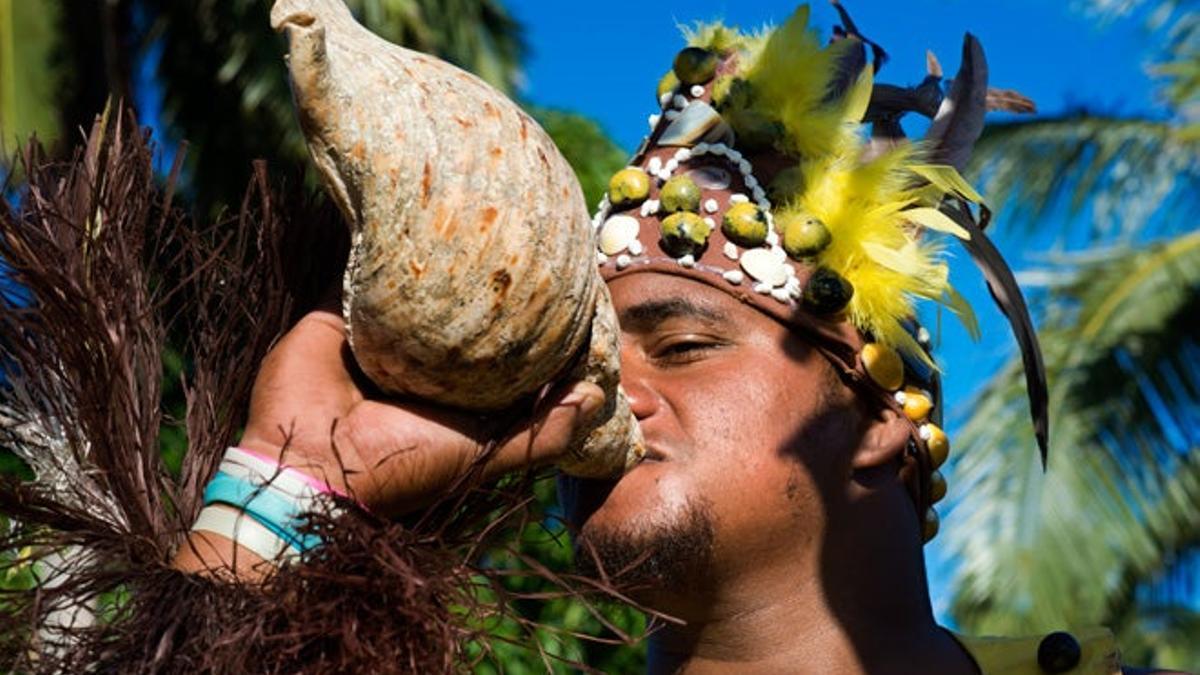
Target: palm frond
[1122,495]
[1125,170]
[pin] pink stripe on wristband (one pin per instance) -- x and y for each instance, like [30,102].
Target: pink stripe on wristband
[320,486]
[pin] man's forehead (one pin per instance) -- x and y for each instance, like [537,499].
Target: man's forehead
[643,301]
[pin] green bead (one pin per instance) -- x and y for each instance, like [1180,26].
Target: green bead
[695,65]
[684,234]
[668,84]
[628,187]
[827,292]
[680,194]
[745,224]
[804,236]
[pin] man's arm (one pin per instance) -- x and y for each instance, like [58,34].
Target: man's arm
[309,412]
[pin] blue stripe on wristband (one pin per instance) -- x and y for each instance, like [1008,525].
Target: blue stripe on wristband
[269,507]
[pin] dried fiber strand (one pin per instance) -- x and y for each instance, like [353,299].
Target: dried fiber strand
[115,275]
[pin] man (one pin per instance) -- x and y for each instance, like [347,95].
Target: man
[786,397]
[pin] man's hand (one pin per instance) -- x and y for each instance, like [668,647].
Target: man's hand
[308,407]
[396,457]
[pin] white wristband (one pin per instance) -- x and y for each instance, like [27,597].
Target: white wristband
[245,531]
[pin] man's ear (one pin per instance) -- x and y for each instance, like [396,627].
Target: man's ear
[883,440]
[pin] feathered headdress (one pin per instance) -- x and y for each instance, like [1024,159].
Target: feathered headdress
[777,171]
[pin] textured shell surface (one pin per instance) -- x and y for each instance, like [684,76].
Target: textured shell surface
[471,279]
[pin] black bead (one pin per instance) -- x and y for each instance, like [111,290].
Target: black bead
[1059,652]
[827,292]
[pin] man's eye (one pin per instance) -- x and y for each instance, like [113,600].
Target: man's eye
[684,351]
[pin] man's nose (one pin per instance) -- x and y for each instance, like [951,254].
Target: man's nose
[636,380]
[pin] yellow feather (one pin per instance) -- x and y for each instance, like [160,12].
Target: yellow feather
[874,210]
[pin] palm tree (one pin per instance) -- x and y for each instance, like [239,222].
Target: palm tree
[1111,533]
[215,68]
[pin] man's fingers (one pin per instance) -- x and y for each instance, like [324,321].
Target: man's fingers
[549,436]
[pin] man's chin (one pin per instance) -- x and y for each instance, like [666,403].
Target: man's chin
[663,551]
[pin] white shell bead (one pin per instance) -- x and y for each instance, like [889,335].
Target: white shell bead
[751,182]
[738,198]
[745,167]
[734,277]
[734,156]
[772,238]
[762,288]
[653,120]
[718,149]
[711,205]
[683,155]
[765,266]
[635,247]
[781,294]
[700,149]
[601,258]
[900,397]
[697,90]
[730,250]
[623,261]
[616,234]
[688,260]
[654,165]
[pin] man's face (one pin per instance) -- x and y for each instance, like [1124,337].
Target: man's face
[747,428]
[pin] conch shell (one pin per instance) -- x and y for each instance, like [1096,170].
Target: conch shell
[472,279]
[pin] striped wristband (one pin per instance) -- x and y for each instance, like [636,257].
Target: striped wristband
[273,500]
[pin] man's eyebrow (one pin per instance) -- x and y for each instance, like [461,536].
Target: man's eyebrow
[645,316]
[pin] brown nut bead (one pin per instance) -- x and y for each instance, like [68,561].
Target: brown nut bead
[930,525]
[628,187]
[883,365]
[916,404]
[937,487]
[937,442]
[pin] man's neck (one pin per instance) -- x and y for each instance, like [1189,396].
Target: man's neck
[864,608]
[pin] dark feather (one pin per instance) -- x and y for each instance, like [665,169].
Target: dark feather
[959,120]
[846,70]
[848,29]
[1003,287]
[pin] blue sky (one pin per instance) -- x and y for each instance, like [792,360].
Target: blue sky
[606,62]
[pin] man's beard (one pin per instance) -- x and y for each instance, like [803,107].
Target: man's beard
[654,554]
